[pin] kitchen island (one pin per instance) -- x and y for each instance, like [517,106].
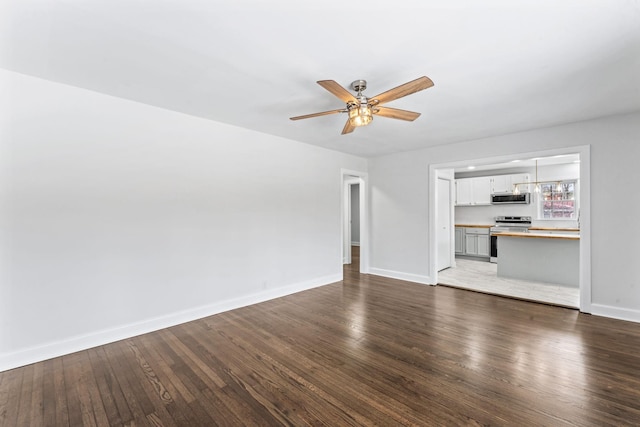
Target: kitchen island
[538,256]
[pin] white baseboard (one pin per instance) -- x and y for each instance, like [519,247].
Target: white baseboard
[83,342]
[409,277]
[355,243]
[615,312]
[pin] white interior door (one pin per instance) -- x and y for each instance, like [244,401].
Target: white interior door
[443,221]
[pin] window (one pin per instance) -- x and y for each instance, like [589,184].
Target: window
[558,200]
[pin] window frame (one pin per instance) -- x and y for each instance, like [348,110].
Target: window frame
[576,199]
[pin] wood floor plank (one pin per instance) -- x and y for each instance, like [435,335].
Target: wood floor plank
[5,386]
[60,390]
[71,364]
[266,386]
[175,386]
[82,393]
[136,414]
[48,394]
[37,390]
[365,351]
[181,379]
[176,406]
[109,389]
[26,396]
[187,381]
[145,400]
[89,388]
[11,383]
[371,386]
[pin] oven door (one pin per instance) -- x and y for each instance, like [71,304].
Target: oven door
[494,248]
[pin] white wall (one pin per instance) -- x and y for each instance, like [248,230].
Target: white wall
[355,214]
[117,218]
[400,207]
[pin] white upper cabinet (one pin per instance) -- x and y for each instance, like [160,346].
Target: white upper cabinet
[463,192]
[477,191]
[473,191]
[482,190]
[506,183]
[501,184]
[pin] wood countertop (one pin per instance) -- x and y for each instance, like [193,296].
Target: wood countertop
[537,235]
[530,228]
[553,229]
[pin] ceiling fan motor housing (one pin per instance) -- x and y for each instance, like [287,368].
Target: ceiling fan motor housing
[359,85]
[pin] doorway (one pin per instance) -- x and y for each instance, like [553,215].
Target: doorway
[584,281]
[354,220]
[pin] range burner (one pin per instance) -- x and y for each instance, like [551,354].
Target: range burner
[513,222]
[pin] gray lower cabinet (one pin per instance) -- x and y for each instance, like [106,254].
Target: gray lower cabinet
[459,243]
[483,245]
[472,242]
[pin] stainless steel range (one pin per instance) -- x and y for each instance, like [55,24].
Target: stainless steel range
[507,223]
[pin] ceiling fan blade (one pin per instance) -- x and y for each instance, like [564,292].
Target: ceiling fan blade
[348,127]
[402,90]
[394,113]
[324,113]
[338,90]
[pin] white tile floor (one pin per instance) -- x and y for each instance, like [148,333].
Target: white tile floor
[482,276]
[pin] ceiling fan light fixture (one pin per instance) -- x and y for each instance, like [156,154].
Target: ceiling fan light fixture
[360,115]
[361,108]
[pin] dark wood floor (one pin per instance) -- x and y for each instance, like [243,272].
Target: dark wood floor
[365,351]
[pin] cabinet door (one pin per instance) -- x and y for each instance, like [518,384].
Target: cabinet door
[459,240]
[463,192]
[473,191]
[500,184]
[481,190]
[471,244]
[483,245]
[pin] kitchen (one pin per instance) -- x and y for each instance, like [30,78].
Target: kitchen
[517,229]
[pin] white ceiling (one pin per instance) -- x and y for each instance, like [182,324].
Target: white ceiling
[498,66]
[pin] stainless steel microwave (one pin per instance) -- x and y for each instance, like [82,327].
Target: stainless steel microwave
[503,199]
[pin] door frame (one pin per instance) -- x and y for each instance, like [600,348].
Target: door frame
[349,182]
[584,151]
[348,178]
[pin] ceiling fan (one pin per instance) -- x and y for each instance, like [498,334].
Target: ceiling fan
[361,109]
